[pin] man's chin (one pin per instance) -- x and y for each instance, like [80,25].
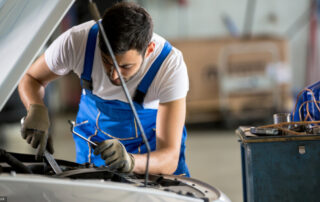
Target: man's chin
[116,82]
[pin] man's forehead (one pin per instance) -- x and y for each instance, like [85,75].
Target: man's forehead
[128,56]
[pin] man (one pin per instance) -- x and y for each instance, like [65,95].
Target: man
[157,79]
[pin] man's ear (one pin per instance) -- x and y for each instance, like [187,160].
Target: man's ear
[150,49]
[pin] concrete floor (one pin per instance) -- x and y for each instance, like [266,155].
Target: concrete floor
[213,155]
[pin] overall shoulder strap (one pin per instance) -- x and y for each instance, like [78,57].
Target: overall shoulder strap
[86,81]
[148,78]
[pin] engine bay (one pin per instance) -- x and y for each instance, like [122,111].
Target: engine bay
[17,163]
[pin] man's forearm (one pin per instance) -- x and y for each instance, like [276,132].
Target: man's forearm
[31,91]
[162,161]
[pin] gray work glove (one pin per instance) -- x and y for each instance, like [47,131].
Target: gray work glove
[115,155]
[34,129]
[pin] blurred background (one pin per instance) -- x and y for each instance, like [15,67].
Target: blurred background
[246,60]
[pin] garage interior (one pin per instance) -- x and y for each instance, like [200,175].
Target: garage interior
[246,60]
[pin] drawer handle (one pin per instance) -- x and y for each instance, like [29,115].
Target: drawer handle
[302,149]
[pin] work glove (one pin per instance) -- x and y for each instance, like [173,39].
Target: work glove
[115,155]
[34,129]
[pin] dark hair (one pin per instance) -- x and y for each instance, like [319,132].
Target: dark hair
[127,26]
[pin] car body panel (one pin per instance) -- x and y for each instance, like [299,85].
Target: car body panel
[22,187]
[25,26]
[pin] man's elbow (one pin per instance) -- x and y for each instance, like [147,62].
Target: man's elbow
[170,166]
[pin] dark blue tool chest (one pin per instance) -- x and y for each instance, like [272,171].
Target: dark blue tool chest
[280,168]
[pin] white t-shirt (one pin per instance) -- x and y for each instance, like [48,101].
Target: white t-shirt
[67,54]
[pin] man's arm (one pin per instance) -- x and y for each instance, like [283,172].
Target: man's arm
[34,128]
[32,85]
[170,122]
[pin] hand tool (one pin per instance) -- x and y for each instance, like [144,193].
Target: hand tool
[265,131]
[52,162]
[72,123]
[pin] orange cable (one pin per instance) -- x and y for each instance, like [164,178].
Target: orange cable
[314,98]
[289,123]
[298,96]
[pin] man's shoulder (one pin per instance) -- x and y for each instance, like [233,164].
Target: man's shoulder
[81,29]
[157,38]
[173,62]
[160,41]
[171,81]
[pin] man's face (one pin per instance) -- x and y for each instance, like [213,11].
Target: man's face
[129,64]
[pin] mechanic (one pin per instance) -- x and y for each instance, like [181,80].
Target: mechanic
[157,79]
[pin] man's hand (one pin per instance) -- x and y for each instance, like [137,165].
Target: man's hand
[115,156]
[35,127]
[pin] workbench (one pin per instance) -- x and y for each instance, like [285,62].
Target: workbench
[280,168]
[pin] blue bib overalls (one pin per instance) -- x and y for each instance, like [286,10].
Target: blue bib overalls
[100,119]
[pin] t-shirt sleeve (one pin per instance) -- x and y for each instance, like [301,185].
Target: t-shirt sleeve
[175,81]
[60,54]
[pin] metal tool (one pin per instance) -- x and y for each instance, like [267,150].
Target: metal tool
[52,162]
[72,123]
[264,131]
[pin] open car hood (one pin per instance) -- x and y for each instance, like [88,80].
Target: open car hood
[25,26]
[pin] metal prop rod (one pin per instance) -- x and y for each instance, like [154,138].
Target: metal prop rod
[125,89]
[94,10]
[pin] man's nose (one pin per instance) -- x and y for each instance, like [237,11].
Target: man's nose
[113,73]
